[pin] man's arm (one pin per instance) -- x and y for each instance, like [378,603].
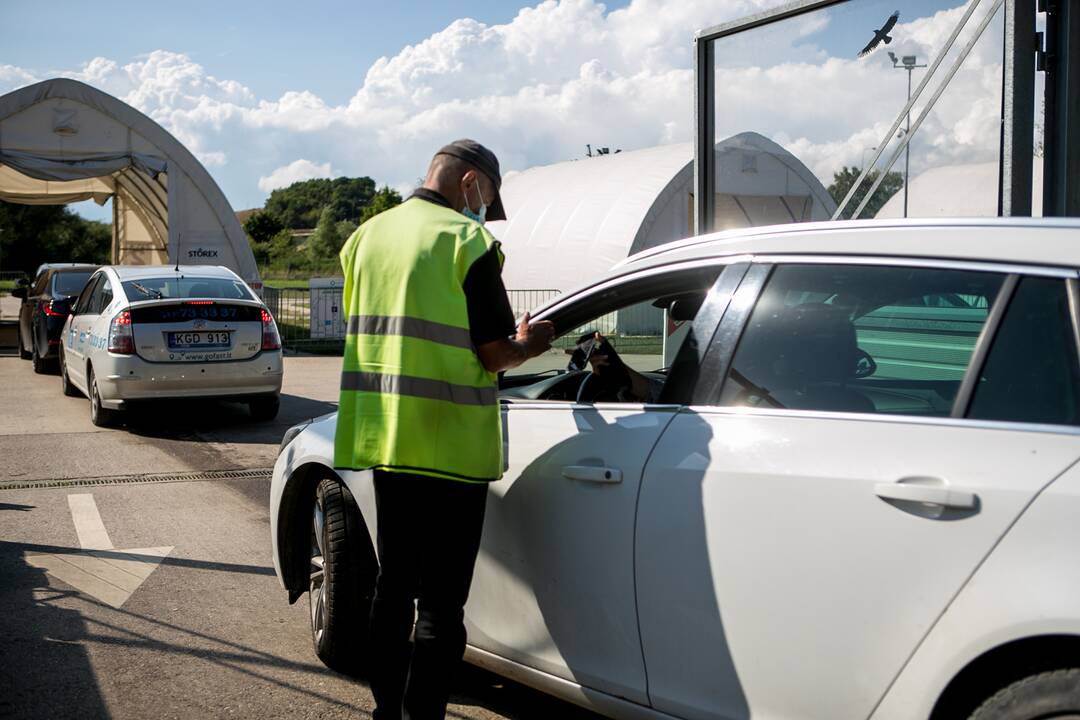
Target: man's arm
[531,340]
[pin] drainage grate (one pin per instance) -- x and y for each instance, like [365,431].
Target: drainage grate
[260,474]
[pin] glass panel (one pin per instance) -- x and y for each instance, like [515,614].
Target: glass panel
[186,287]
[1031,372]
[70,283]
[860,339]
[802,104]
[635,332]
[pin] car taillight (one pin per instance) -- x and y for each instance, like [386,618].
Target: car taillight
[48,309]
[271,338]
[120,338]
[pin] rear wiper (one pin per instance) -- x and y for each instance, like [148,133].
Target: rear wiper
[156,294]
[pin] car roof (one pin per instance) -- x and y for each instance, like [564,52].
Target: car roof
[61,267]
[1022,241]
[137,272]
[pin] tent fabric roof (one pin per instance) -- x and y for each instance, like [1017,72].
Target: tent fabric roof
[958,191]
[62,141]
[571,221]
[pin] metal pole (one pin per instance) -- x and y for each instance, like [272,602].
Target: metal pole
[1018,109]
[704,137]
[1061,191]
[907,150]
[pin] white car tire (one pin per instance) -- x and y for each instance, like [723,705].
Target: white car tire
[99,415]
[342,579]
[1053,694]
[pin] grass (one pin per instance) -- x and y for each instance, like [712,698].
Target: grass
[286,284]
[7,286]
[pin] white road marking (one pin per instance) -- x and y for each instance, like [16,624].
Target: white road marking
[88,525]
[97,569]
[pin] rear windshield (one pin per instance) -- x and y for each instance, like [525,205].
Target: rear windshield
[70,282]
[186,287]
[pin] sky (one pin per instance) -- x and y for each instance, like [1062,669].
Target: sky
[272,92]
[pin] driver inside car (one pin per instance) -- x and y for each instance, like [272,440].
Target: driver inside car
[621,382]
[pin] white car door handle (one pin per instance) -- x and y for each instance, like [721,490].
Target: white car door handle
[592,473]
[928,494]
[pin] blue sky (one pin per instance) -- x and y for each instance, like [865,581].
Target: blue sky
[324,46]
[268,93]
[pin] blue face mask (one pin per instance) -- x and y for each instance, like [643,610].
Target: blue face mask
[479,216]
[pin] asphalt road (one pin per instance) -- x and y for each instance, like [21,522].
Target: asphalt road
[208,632]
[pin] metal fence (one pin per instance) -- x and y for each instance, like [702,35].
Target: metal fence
[313,319]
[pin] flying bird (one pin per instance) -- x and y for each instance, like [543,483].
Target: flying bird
[881,35]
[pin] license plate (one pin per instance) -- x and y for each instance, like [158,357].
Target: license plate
[200,339]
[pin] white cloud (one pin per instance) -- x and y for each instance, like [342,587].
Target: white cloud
[558,76]
[295,171]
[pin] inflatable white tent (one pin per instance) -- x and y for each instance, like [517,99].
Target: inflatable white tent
[958,191]
[569,222]
[63,141]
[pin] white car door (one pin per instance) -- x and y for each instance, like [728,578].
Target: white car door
[77,340]
[802,528]
[554,582]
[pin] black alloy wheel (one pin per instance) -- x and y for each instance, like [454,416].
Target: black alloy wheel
[343,569]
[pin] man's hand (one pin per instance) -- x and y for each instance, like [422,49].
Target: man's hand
[535,337]
[531,340]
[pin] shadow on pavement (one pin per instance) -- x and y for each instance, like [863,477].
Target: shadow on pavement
[45,671]
[227,421]
[45,667]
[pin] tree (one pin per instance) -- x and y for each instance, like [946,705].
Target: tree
[261,226]
[846,177]
[325,243]
[384,199]
[299,205]
[33,234]
[281,250]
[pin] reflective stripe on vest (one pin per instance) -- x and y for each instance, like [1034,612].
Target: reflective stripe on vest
[418,387]
[410,327]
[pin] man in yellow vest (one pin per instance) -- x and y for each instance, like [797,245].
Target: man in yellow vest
[429,328]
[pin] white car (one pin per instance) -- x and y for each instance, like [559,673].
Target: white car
[855,496]
[155,332]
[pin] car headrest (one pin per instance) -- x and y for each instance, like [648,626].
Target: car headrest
[686,308]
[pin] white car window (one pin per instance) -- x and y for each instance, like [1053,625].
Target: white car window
[858,338]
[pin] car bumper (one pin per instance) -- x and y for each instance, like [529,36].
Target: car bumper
[131,378]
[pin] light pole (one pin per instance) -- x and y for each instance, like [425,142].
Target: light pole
[909,63]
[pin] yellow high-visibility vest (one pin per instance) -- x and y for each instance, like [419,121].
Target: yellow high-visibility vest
[414,396]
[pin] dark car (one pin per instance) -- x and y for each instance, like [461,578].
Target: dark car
[46,303]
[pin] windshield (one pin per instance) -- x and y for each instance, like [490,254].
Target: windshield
[186,287]
[70,282]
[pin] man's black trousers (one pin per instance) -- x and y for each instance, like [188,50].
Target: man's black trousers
[428,537]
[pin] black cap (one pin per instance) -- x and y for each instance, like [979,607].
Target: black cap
[483,160]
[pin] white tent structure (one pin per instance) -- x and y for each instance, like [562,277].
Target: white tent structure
[63,141]
[958,191]
[571,221]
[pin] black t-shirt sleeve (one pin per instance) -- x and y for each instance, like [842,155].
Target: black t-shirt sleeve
[490,314]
